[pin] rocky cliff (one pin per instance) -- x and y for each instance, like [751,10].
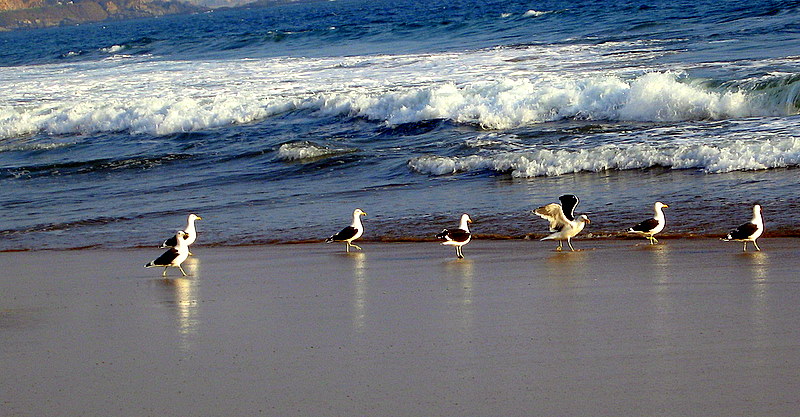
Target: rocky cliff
[19,14]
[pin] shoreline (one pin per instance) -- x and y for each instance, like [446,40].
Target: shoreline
[515,328]
[411,240]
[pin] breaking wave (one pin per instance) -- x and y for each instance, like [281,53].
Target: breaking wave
[535,13]
[158,116]
[511,103]
[734,156]
[305,151]
[496,104]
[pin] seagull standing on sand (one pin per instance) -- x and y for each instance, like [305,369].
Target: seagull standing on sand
[173,257]
[650,227]
[562,227]
[191,234]
[457,237]
[749,231]
[350,233]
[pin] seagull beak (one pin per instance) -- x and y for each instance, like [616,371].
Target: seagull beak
[199,218]
[588,221]
[666,206]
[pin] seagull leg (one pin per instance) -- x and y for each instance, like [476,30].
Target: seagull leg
[744,249]
[654,241]
[347,248]
[570,245]
[458,252]
[165,271]
[182,271]
[356,246]
[560,245]
[756,245]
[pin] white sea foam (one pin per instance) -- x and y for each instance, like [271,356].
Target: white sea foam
[24,147]
[534,13]
[158,116]
[112,49]
[509,103]
[485,141]
[497,89]
[719,158]
[305,150]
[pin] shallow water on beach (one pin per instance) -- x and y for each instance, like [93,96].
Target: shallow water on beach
[273,124]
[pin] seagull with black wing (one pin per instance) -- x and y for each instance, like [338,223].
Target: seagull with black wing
[350,233]
[650,227]
[749,231]
[190,230]
[174,256]
[561,226]
[457,237]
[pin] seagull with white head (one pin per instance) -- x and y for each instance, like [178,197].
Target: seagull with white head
[561,226]
[191,233]
[650,227]
[749,231]
[350,233]
[457,237]
[173,257]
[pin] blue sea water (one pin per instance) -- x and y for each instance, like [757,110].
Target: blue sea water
[274,123]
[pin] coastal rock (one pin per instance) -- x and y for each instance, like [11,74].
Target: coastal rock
[30,14]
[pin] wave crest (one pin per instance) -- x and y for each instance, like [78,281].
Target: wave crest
[535,13]
[504,103]
[158,116]
[736,156]
[511,103]
[305,151]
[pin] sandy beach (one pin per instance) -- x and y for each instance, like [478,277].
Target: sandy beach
[689,327]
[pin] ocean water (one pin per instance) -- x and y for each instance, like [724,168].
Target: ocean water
[273,124]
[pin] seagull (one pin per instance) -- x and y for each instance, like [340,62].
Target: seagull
[173,257]
[562,227]
[190,231]
[350,233]
[457,237]
[650,227]
[749,231]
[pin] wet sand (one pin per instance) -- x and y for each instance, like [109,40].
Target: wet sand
[688,327]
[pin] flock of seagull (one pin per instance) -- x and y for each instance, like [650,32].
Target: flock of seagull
[564,225]
[178,247]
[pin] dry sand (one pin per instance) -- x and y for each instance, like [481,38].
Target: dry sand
[688,327]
